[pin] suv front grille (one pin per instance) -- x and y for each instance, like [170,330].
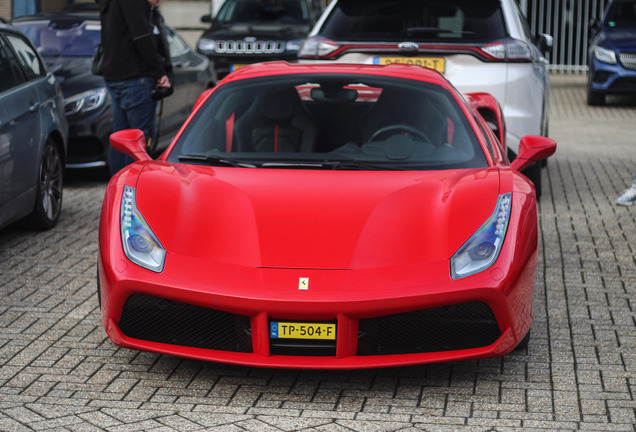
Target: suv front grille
[628,60]
[249,47]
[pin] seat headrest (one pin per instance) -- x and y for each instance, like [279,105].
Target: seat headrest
[278,105]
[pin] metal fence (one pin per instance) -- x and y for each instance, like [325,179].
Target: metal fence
[567,21]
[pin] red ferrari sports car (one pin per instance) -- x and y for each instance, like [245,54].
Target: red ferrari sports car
[324,216]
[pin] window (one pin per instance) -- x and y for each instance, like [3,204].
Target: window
[440,20]
[27,56]
[283,11]
[176,45]
[10,72]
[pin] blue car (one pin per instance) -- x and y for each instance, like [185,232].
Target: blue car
[612,53]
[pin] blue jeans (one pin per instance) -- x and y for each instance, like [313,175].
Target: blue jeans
[133,108]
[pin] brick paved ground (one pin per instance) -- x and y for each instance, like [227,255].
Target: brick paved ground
[59,372]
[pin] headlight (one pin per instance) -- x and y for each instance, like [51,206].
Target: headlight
[141,246]
[605,55]
[482,248]
[85,101]
[206,44]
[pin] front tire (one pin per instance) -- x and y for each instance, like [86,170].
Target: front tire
[533,172]
[48,200]
[523,345]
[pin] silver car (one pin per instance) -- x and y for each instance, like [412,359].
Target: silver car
[33,135]
[479,46]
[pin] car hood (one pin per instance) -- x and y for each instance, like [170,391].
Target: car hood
[314,219]
[74,74]
[258,31]
[618,39]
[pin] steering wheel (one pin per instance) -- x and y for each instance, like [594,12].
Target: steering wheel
[410,130]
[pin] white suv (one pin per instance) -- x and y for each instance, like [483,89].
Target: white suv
[480,46]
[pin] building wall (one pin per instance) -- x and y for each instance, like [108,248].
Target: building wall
[5,9]
[53,5]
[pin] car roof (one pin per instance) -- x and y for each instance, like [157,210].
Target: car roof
[393,70]
[10,28]
[81,15]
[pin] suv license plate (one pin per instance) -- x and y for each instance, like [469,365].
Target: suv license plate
[437,63]
[294,330]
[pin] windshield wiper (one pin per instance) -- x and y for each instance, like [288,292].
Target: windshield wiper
[215,160]
[333,164]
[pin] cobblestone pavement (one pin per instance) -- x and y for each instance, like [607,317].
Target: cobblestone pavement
[59,372]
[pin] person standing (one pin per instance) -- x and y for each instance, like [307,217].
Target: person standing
[132,66]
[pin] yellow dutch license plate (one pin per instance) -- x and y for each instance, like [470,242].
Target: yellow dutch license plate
[437,63]
[236,66]
[294,330]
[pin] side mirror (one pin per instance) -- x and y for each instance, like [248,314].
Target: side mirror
[593,26]
[207,19]
[546,43]
[132,142]
[533,149]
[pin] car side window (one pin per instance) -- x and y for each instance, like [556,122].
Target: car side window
[485,134]
[177,46]
[27,56]
[10,71]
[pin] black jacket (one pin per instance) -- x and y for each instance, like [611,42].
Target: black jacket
[129,41]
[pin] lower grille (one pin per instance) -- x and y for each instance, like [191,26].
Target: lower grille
[624,84]
[600,77]
[449,328]
[159,320]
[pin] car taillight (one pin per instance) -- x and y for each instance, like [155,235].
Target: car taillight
[317,47]
[508,50]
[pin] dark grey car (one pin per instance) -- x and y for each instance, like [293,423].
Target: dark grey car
[33,134]
[67,42]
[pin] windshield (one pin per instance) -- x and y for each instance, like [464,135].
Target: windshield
[621,14]
[62,37]
[330,121]
[416,20]
[261,11]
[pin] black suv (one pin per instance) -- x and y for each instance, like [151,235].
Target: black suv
[252,31]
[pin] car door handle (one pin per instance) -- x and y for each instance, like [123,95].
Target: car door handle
[34,107]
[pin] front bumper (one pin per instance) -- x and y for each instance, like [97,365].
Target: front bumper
[88,139]
[383,317]
[611,78]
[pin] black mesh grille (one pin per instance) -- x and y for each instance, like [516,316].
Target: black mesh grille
[159,320]
[601,76]
[626,84]
[456,327]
